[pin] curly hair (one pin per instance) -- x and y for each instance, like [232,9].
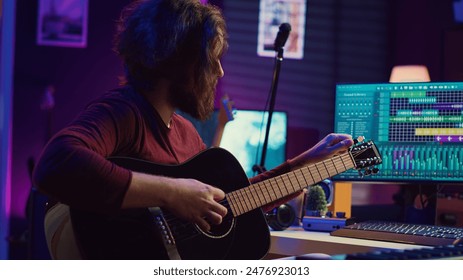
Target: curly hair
[171,39]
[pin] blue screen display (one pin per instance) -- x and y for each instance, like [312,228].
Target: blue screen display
[245,134]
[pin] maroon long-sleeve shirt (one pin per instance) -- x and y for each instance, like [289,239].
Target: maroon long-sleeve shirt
[74,169]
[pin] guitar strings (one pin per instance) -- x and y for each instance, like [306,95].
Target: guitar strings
[188,230]
[267,186]
[295,182]
[240,199]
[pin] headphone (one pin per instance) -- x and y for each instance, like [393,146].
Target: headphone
[281,217]
[328,188]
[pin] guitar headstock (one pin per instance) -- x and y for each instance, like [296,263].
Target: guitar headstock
[365,155]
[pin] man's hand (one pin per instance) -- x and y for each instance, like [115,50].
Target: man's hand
[197,202]
[188,199]
[333,144]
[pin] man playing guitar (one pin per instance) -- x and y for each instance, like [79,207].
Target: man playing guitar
[171,50]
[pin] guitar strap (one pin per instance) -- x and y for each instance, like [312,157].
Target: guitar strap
[166,235]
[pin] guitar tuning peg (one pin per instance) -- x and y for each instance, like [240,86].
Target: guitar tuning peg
[359,139]
[360,173]
[368,172]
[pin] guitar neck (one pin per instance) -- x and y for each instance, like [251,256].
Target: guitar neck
[246,199]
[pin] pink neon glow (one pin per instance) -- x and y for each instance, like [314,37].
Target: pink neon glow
[8,183]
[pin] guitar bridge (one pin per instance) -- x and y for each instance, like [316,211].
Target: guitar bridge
[166,235]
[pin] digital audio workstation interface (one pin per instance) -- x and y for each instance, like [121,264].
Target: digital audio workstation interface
[417,127]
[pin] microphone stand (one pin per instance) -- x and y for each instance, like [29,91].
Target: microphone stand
[276,74]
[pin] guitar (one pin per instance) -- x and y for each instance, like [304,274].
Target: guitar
[243,234]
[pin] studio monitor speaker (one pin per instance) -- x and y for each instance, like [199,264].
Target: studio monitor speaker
[342,198]
[328,189]
[281,217]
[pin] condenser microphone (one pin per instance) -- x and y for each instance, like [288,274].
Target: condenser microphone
[282,36]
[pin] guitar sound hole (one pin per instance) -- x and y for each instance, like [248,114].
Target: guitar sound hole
[222,230]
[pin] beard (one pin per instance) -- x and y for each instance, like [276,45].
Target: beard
[197,101]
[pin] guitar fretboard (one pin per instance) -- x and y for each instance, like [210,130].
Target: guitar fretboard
[246,199]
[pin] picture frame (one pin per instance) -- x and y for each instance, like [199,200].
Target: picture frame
[62,23]
[272,13]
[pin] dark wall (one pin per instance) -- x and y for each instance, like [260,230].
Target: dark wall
[345,41]
[419,29]
[78,75]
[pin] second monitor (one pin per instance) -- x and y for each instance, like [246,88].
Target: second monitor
[244,137]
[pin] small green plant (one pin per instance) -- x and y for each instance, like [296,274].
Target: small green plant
[316,200]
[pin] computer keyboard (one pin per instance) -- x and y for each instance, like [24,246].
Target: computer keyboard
[428,235]
[446,252]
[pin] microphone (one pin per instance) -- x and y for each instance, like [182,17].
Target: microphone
[282,36]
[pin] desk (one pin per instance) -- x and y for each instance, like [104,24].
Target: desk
[296,241]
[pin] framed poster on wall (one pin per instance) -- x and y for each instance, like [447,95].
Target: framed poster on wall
[272,13]
[62,23]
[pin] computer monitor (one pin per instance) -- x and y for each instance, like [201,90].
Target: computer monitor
[417,127]
[458,11]
[244,137]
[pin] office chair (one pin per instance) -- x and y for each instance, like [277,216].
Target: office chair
[59,234]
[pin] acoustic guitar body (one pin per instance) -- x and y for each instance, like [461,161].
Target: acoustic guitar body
[134,234]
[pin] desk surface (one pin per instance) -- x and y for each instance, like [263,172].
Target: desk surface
[296,241]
